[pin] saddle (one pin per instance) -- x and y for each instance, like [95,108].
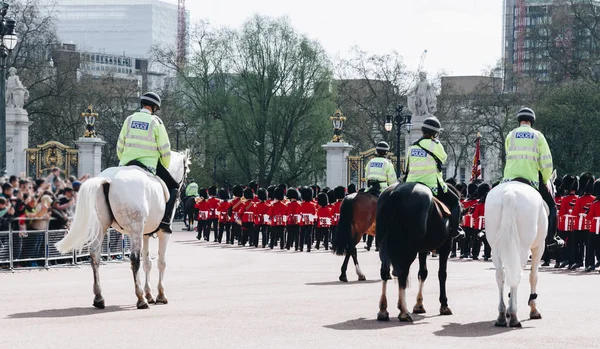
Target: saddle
[141,167]
[441,208]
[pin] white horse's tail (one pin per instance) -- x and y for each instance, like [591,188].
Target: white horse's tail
[86,224]
[508,240]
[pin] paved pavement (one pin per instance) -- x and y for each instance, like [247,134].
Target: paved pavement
[232,297]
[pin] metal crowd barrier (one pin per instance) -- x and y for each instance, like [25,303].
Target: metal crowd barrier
[35,249]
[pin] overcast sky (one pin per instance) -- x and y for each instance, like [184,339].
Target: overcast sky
[463,37]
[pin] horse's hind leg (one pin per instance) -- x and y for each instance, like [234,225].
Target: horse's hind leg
[536,257]
[361,276]
[95,247]
[383,314]
[444,252]
[163,241]
[134,256]
[501,320]
[343,277]
[147,268]
[418,308]
[404,315]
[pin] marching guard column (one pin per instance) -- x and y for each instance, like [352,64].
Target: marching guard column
[337,153]
[89,147]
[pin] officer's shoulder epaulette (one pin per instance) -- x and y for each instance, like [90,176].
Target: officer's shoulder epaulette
[157,119]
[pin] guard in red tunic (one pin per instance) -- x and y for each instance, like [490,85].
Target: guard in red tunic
[479,224]
[566,219]
[202,208]
[308,212]
[340,194]
[468,223]
[254,186]
[324,217]
[277,213]
[222,212]
[593,218]
[246,216]
[236,229]
[581,229]
[261,219]
[293,218]
[213,219]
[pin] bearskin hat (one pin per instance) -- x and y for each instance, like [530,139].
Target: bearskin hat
[451,181]
[596,189]
[223,194]
[238,191]
[331,196]
[586,183]
[203,193]
[292,194]
[262,194]
[322,199]
[569,182]
[340,192]
[279,194]
[351,188]
[472,191]
[306,193]
[212,190]
[253,185]
[271,192]
[483,190]
[248,193]
[325,190]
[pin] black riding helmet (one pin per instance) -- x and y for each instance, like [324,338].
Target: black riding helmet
[151,100]
[526,114]
[431,126]
[322,199]
[262,194]
[382,148]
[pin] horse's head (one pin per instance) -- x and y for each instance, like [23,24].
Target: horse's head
[180,165]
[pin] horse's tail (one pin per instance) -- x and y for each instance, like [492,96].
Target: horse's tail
[343,235]
[86,223]
[508,239]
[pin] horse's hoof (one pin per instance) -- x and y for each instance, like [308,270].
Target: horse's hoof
[150,299]
[419,309]
[514,321]
[445,311]
[362,278]
[141,304]
[535,315]
[383,316]
[161,299]
[501,321]
[343,278]
[405,317]
[99,303]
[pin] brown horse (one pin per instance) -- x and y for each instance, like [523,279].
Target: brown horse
[357,217]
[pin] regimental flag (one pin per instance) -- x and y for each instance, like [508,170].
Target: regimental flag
[476,171]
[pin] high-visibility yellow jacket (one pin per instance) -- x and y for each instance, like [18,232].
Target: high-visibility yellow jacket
[382,170]
[527,155]
[144,138]
[191,189]
[422,167]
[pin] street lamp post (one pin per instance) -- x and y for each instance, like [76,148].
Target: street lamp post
[179,126]
[8,41]
[400,120]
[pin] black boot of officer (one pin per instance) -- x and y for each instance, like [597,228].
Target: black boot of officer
[450,199]
[553,241]
[165,222]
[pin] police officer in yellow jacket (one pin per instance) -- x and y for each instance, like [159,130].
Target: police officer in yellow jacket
[379,171]
[528,157]
[426,157]
[144,142]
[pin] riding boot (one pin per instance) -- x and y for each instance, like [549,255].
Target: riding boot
[553,241]
[165,223]
[455,229]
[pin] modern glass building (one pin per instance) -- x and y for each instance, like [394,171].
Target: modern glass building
[120,27]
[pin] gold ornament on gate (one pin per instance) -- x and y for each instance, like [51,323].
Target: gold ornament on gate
[337,120]
[89,116]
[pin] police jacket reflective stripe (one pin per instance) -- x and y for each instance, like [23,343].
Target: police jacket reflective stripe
[527,154]
[382,170]
[423,168]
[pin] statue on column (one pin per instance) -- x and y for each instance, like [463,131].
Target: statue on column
[421,98]
[16,93]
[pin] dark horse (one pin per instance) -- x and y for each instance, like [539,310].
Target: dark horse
[189,212]
[357,215]
[410,222]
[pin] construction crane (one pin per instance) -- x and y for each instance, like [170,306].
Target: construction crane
[181,34]
[423,56]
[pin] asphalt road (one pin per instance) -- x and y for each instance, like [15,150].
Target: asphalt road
[224,296]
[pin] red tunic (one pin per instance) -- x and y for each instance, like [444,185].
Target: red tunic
[566,219]
[277,213]
[582,205]
[468,206]
[293,213]
[479,216]
[308,211]
[593,217]
[324,217]
[222,209]
[213,204]
[202,208]
[336,213]
[235,205]
[246,211]
[261,209]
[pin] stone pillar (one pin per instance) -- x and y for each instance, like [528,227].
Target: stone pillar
[17,140]
[90,155]
[337,163]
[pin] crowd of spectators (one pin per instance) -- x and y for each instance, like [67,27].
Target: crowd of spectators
[29,205]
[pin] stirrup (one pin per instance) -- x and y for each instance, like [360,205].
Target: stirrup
[460,236]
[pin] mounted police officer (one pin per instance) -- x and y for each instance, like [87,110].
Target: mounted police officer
[528,157]
[426,157]
[144,142]
[379,171]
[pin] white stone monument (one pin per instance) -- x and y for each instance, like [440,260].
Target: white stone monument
[422,104]
[337,153]
[17,124]
[89,147]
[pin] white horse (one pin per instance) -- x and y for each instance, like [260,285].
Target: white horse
[132,201]
[516,222]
